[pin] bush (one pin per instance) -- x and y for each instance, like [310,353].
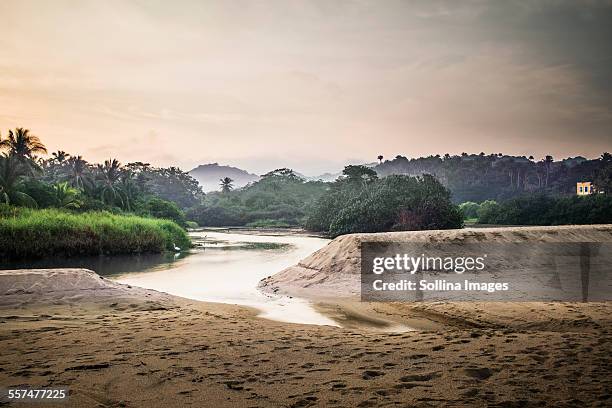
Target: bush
[488,212]
[469,209]
[158,208]
[39,233]
[215,216]
[42,193]
[547,210]
[393,203]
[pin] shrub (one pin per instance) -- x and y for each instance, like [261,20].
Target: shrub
[547,210]
[215,216]
[469,209]
[488,212]
[393,203]
[158,208]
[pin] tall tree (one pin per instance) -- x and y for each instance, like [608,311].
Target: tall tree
[548,160]
[77,172]
[12,172]
[226,184]
[23,144]
[109,175]
[60,156]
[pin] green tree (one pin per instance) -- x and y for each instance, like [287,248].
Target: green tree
[158,208]
[488,212]
[41,192]
[78,171]
[60,156]
[393,203]
[12,173]
[359,174]
[23,144]
[548,161]
[109,175]
[469,209]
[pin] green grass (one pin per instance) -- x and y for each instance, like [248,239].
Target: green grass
[27,233]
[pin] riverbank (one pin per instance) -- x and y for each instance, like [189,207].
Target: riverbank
[32,234]
[116,345]
[334,271]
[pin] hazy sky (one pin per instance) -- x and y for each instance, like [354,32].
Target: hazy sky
[307,84]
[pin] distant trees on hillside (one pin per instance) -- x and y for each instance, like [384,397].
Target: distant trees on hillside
[279,198]
[479,177]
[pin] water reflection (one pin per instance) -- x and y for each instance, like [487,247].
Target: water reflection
[226,267]
[105,265]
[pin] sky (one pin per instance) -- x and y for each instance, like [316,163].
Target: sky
[311,85]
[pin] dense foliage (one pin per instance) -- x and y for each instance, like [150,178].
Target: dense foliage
[69,182]
[469,210]
[472,177]
[30,233]
[541,209]
[361,202]
[279,198]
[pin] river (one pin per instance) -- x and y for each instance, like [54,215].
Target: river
[225,266]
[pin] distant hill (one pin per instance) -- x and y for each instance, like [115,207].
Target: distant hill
[208,176]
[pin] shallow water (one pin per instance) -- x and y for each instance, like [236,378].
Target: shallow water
[226,268]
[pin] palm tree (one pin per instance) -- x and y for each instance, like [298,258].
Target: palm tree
[548,160]
[226,184]
[60,156]
[12,171]
[66,196]
[128,189]
[77,172]
[380,157]
[23,144]
[109,175]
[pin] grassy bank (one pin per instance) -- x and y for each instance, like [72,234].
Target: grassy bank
[28,233]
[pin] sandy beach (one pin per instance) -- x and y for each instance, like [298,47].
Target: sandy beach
[120,346]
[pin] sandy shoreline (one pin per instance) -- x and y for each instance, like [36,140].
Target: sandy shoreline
[126,346]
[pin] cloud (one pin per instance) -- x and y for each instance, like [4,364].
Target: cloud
[308,81]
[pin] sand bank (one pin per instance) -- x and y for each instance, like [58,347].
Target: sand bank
[120,346]
[334,271]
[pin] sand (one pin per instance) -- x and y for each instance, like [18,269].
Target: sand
[120,346]
[334,271]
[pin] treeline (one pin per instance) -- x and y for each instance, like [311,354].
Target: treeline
[542,209]
[70,182]
[279,198]
[480,177]
[357,202]
[65,206]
